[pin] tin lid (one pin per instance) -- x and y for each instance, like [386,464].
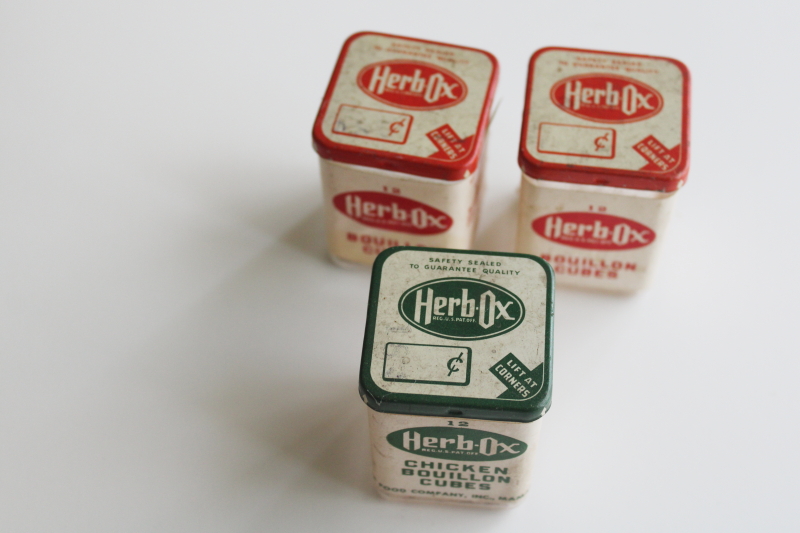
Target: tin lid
[459,333]
[603,118]
[407,105]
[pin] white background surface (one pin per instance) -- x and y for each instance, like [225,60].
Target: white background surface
[178,354]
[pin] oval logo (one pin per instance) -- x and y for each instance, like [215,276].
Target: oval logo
[461,444]
[412,85]
[596,231]
[392,213]
[606,98]
[461,308]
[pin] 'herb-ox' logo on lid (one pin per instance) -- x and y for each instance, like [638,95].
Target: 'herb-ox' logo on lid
[606,98]
[412,85]
[461,308]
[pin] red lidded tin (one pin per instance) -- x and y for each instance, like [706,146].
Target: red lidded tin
[604,148]
[400,135]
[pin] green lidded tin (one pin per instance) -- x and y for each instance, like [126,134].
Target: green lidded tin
[457,371]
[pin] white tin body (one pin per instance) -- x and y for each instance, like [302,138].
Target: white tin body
[402,475]
[419,211]
[602,211]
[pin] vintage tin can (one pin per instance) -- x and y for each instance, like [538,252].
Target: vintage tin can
[457,372]
[604,148]
[400,134]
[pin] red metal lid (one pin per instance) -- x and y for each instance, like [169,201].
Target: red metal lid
[604,118]
[407,105]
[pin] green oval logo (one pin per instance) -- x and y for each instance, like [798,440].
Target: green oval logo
[461,308]
[462,444]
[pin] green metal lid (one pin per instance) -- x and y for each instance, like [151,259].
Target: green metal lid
[459,333]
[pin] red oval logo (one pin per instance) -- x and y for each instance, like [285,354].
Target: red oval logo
[392,213]
[606,98]
[596,231]
[412,85]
